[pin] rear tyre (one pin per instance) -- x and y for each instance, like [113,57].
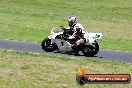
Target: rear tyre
[91,50]
[47,46]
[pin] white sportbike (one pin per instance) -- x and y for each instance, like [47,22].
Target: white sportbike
[56,42]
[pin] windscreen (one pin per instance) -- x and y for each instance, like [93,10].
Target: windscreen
[57,29]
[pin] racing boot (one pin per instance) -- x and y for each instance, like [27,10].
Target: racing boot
[75,49]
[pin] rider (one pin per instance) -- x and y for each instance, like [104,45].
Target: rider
[78,33]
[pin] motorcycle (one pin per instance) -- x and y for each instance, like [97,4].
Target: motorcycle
[56,42]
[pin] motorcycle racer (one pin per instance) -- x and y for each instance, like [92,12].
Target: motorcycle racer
[77,35]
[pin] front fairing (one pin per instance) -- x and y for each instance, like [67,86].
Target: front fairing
[92,37]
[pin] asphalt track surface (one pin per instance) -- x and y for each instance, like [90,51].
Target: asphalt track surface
[108,55]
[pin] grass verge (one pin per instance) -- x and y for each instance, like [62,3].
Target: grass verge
[27,70]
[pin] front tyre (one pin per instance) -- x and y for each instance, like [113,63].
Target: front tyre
[91,50]
[47,46]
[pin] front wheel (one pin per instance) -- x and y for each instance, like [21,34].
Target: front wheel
[91,50]
[47,46]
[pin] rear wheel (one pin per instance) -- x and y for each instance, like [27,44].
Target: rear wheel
[91,50]
[47,46]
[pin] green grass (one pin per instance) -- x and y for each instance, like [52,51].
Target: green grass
[27,70]
[32,20]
